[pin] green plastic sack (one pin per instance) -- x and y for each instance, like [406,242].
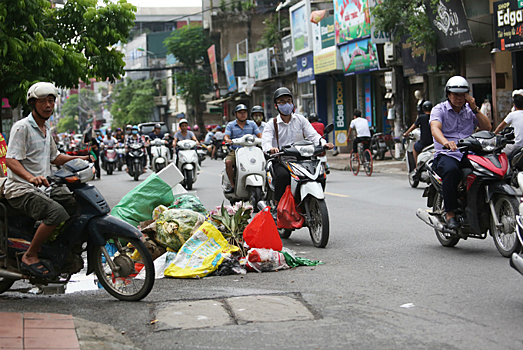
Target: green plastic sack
[188,201]
[138,205]
[295,261]
[175,226]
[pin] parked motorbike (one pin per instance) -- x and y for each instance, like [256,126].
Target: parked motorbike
[110,160]
[249,172]
[113,248]
[188,162]
[418,171]
[379,144]
[160,153]
[307,186]
[137,155]
[488,203]
[222,150]
[120,152]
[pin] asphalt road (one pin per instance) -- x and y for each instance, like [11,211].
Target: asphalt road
[386,282]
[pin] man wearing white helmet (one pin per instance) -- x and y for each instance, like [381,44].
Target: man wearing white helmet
[451,121]
[30,153]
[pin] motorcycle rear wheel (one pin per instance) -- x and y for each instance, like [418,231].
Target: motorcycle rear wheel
[319,222]
[255,195]
[126,286]
[445,239]
[505,237]
[5,284]
[109,169]
[137,171]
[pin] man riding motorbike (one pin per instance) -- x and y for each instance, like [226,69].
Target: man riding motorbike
[236,129]
[134,138]
[30,153]
[119,136]
[216,140]
[152,136]
[291,127]
[451,121]
[107,142]
[258,115]
[423,123]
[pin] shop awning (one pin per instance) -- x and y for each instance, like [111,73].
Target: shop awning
[217,102]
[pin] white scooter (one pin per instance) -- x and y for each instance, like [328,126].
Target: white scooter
[419,171]
[188,162]
[249,172]
[160,154]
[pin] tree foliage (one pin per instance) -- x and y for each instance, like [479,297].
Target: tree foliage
[61,45]
[406,17]
[67,124]
[189,46]
[88,107]
[271,34]
[133,102]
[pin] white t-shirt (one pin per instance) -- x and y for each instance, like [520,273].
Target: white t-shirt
[362,127]
[515,119]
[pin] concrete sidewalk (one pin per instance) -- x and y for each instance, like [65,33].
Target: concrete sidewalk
[387,166]
[35,331]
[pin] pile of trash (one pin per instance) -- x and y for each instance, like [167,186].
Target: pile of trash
[187,241]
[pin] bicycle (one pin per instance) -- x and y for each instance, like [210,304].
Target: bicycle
[363,153]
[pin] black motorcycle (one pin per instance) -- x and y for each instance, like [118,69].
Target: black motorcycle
[137,154]
[222,149]
[111,247]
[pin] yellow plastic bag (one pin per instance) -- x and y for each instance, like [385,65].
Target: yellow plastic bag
[201,254]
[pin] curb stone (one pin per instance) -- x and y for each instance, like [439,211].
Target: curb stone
[98,336]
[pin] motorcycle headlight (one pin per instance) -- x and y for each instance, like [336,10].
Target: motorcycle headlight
[488,144]
[249,139]
[306,151]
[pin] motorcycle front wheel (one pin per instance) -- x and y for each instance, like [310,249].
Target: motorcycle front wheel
[5,284]
[126,271]
[413,183]
[188,180]
[319,222]
[505,235]
[137,171]
[445,239]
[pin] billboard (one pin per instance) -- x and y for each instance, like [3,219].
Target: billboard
[289,61]
[359,57]
[450,25]
[305,68]
[212,60]
[229,73]
[508,18]
[301,28]
[352,20]
[259,64]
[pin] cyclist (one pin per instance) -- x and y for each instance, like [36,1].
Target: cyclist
[360,124]
[426,136]
[291,127]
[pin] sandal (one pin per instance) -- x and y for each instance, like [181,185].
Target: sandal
[39,269]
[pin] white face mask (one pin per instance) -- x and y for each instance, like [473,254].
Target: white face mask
[286,109]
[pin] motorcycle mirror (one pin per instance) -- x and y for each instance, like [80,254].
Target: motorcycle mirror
[329,128]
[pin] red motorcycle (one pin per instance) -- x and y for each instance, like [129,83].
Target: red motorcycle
[488,203]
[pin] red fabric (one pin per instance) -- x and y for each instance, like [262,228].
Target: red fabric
[3,152]
[288,216]
[262,232]
[319,127]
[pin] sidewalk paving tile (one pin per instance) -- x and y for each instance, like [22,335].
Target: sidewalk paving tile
[49,333]
[40,316]
[54,324]
[51,343]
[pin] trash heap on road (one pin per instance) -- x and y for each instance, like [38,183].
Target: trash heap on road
[187,241]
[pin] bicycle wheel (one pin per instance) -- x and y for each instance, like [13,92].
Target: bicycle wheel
[354,163]
[367,162]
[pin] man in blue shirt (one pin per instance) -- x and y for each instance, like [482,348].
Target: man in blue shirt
[236,129]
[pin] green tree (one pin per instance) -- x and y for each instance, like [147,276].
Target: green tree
[133,102]
[271,34]
[189,45]
[67,124]
[406,17]
[62,45]
[89,106]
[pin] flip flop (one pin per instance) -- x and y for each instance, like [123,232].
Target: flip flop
[39,269]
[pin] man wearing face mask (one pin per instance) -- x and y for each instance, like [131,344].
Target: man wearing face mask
[30,153]
[236,129]
[451,121]
[284,130]
[257,115]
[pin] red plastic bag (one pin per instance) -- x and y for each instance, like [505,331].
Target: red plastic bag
[288,216]
[262,232]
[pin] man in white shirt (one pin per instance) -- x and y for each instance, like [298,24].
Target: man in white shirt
[361,126]
[291,127]
[514,119]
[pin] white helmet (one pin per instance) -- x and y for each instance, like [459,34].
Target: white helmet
[183,121]
[457,84]
[41,90]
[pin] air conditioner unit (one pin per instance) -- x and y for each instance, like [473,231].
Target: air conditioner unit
[389,51]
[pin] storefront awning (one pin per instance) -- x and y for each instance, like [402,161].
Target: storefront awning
[217,102]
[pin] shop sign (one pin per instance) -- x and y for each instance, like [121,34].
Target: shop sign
[378,36]
[301,30]
[340,112]
[328,34]
[359,57]
[327,61]
[450,24]
[352,20]
[212,60]
[289,61]
[368,100]
[305,68]
[416,60]
[259,64]
[508,18]
[229,73]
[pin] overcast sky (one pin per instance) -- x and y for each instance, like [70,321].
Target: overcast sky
[166,3]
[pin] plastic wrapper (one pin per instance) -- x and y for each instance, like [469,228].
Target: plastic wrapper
[230,266]
[175,226]
[264,260]
[158,210]
[188,201]
[201,255]
[295,261]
